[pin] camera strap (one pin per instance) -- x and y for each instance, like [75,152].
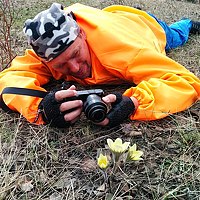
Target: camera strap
[19,91]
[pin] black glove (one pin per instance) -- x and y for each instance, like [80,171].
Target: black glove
[121,109]
[51,111]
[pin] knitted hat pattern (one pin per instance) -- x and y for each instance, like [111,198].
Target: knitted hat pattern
[51,32]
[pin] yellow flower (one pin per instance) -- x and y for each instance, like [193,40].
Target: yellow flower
[117,146]
[133,154]
[102,161]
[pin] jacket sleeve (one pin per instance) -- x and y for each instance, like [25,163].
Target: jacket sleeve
[163,86]
[25,72]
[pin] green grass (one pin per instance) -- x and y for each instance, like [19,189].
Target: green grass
[39,162]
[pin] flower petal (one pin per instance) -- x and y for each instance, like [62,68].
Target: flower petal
[118,146]
[110,143]
[133,148]
[118,141]
[136,155]
[102,161]
[126,145]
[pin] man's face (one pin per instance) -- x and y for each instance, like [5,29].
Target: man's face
[75,60]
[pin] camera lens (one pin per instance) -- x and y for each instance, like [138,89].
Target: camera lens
[95,109]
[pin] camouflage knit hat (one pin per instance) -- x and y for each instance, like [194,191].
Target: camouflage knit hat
[51,32]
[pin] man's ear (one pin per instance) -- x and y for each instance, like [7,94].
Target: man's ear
[83,34]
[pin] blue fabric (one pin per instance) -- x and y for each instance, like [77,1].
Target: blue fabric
[177,33]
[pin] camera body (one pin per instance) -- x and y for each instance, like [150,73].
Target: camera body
[93,106]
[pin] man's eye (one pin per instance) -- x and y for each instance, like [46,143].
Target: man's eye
[57,66]
[75,54]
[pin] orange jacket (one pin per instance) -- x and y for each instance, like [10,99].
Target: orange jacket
[126,45]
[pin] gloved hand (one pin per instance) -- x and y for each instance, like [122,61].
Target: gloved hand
[51,111]
[121,109]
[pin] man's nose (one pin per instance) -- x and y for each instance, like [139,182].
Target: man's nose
[73,66]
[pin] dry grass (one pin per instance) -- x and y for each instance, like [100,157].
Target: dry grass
[39,162]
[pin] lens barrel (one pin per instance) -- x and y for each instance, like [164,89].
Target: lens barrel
[95,109]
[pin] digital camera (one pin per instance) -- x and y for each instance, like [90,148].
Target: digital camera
[93,106]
